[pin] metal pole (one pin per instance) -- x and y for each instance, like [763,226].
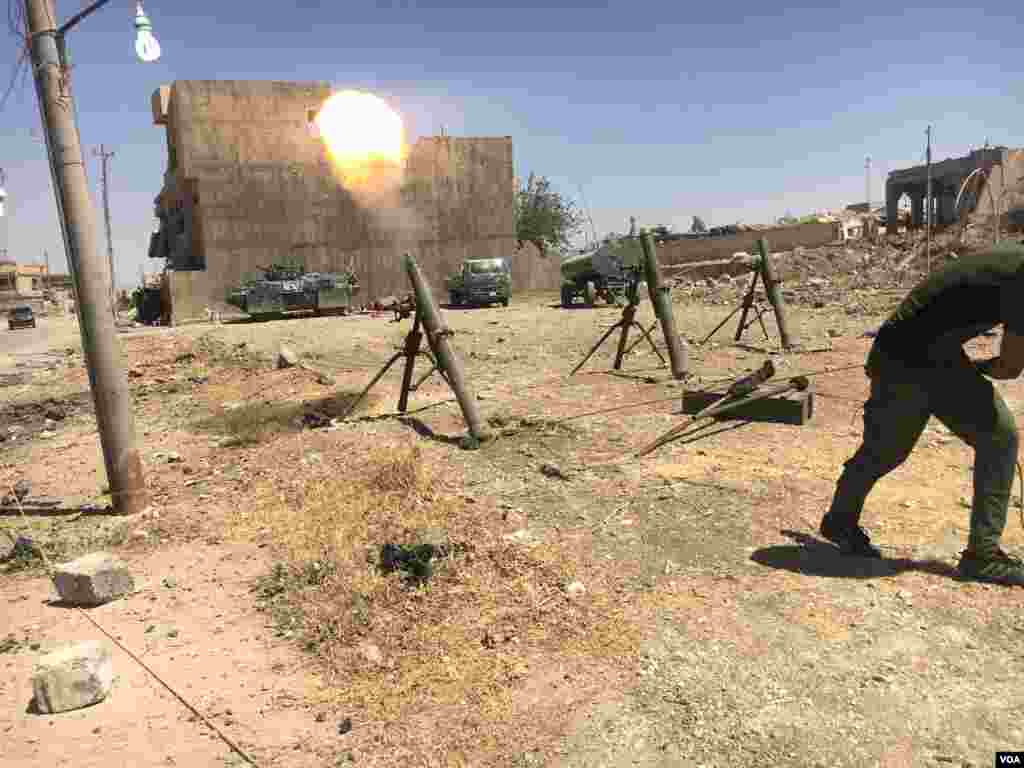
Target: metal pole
[928,205]
[867,183]
[437,337]
[107,378]
[104,158]
[663,307]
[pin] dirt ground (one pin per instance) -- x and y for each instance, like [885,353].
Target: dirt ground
[674,610]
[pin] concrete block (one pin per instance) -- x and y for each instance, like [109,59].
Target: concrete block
[93,579]
[72,677]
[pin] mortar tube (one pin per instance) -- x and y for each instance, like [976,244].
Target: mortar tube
[662,303]
[437,338]
[771,287]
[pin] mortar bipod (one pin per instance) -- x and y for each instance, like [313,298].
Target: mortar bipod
[625,322]
[410,350]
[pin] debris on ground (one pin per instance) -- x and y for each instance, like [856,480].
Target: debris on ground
[20,490]
[93,579]
[553,470]
[287,357]
[72,677]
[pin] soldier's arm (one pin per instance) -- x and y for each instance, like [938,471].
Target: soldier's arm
[1010,362]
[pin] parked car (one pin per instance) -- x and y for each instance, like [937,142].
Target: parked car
[21,317]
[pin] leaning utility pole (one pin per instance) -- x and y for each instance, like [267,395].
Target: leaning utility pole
[107,378]
[928,200]
[104,158]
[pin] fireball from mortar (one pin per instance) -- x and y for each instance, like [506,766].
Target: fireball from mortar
[364,138]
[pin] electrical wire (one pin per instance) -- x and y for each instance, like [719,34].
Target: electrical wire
[48,566]
[16,27]
[19,67]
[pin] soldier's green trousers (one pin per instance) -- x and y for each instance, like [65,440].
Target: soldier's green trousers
[902,400]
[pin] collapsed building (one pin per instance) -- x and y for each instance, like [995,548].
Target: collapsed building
[995,177]
[248,185]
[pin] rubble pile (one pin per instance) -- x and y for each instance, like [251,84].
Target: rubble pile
[861,276]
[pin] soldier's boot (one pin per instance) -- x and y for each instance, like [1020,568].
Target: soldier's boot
[993,566]
[850,538]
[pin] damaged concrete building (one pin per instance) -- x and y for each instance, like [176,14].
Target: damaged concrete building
[247,184]
[996,174]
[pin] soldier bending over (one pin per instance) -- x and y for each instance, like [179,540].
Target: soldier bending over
[918,369]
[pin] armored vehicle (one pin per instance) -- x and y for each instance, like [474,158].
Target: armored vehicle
[288,288]
[603,272]
[480,281]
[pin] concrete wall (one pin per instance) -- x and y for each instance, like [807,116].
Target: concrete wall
[947,178]
[249,185]
[673,252]
[1006,183]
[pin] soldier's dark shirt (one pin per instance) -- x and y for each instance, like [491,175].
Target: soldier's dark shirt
[954,304]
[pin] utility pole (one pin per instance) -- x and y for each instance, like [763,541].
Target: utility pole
[104,158]
[107,378]
[928,201]
[867,182]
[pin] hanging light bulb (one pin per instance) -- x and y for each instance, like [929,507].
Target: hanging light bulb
[146,46]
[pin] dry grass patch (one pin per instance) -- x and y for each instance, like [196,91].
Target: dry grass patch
[491,612]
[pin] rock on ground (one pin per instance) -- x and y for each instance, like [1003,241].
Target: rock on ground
[72,677]
[93,579]
[286,357]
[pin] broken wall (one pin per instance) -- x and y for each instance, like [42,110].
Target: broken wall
[810,235]
[1006,185]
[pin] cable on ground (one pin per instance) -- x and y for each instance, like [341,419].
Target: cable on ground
[49,572]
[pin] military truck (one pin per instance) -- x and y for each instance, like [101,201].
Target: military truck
[602,272]
[285,287]
[480,281]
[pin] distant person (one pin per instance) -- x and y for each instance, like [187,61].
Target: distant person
[918,369]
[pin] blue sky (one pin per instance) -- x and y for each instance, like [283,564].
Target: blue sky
[734,111]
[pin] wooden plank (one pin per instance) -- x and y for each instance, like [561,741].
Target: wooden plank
[791,408]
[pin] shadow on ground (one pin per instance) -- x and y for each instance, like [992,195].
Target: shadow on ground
[813,557]
[421,429]
[253,421]
[574,307]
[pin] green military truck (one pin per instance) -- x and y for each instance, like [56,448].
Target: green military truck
[480,281]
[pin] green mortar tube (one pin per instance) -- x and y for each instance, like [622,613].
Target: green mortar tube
[437,338]
[771,287]
[662,304]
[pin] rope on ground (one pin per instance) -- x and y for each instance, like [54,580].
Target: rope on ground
[50,572]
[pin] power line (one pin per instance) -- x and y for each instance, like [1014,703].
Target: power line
[18,67]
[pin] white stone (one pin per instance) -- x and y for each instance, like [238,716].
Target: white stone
[93,579]
[576,588]
[286,357]
[72,677]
